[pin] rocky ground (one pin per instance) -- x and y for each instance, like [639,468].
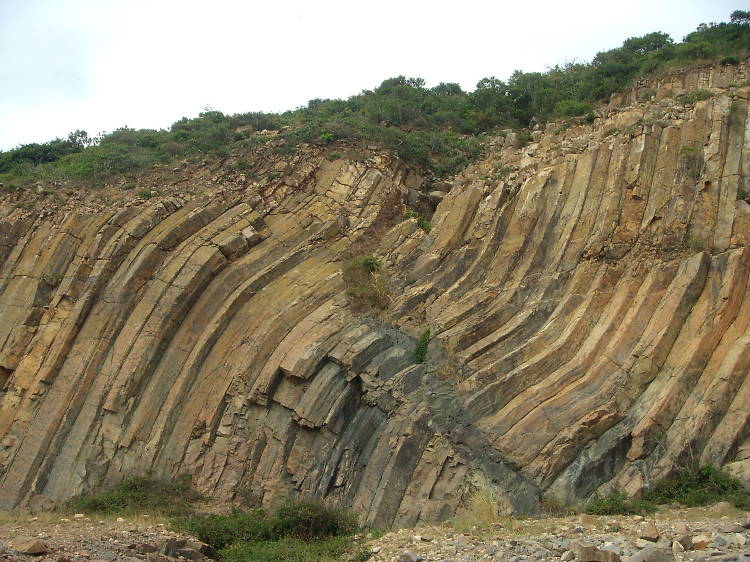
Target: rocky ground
[77,537]
[716,533]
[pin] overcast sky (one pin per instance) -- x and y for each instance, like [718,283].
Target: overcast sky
[100,64]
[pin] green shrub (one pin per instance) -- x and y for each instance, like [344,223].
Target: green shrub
[699,487]
[422,223]
[693,96]
[172,148]
[503,172]
[371,264]
[647,94]
[420,349]
[137,495]
[571,108]
[302,520]
[220,531]
[524,138]
[240,164]
[310,520]
[616,503]
[729,60]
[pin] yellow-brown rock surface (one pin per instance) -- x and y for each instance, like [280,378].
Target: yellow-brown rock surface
[587,296]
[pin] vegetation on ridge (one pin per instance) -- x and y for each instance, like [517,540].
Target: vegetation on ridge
[438,128]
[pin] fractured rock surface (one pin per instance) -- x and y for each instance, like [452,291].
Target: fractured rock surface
[587,295]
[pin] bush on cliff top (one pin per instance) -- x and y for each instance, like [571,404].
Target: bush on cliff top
[437,128]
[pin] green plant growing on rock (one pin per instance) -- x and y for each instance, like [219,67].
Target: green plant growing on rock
[503,172]
[239,165]
[420,349]
[646,95]
[51,279]
[693,96]
[524,138]
[365,283]
[422,223]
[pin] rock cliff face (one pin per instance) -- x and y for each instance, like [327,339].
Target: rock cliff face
[587,296]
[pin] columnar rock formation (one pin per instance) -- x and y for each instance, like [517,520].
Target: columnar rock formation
[587,296]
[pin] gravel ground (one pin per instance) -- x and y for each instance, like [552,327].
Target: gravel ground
[77,537]
[716,533]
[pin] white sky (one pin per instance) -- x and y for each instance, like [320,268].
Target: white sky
[102,64]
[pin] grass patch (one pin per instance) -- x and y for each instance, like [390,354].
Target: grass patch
[365,283]
[140,495]
[420,349]
[694,96]
[699,487]
[288,549]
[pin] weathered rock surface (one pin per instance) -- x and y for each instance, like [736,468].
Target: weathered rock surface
[589,310]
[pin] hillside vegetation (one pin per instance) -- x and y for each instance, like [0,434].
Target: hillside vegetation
[439,129]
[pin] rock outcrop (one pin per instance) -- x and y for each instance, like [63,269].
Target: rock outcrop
[587,296]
